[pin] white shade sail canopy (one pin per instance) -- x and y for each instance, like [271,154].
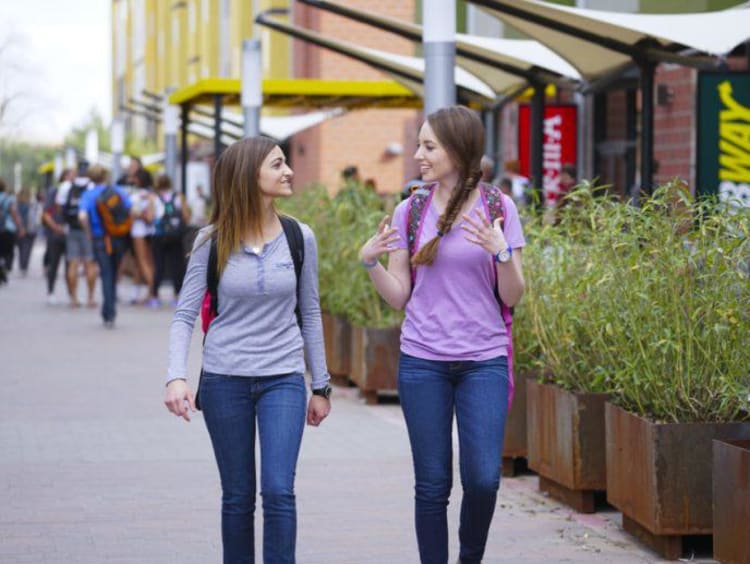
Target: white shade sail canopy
[406,70]
[597,42]
[499,62]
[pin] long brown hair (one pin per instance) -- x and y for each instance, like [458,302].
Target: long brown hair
[237,198]
[461,133]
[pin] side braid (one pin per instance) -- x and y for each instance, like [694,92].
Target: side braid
[460,194]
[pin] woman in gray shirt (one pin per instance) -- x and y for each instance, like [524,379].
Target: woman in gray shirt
[255,348]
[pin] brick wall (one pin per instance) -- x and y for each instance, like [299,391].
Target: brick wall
[360,137]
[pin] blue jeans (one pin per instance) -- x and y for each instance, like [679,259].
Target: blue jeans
[231,406]
[430,391]
[109,261]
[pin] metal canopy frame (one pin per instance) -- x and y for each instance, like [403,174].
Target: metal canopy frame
[645,54]
[283,93]
[536,77]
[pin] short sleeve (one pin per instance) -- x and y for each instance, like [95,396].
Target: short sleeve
[399,221]
[513,230]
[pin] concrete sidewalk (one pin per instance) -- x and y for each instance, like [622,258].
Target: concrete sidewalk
[93,469]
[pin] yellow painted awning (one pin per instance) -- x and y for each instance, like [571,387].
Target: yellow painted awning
[303,93]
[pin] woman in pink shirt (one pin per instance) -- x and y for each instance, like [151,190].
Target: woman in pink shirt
[454,342]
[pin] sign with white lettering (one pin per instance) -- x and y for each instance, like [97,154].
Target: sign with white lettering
[723,136]
[559,147]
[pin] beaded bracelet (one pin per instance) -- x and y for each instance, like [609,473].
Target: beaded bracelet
[369,265]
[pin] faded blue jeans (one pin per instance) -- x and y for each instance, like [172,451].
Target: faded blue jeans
[232,406]
[430,391]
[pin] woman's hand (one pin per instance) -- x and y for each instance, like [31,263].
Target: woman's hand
[179,399]
[379,243]
[317,410]
[488,236]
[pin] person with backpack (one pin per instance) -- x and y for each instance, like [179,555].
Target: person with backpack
[11,228]
[106,220]
[455,267]
[255,276]
[78,248]
[172,217]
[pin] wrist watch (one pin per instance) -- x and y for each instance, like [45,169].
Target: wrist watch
[325,391]
[504,256]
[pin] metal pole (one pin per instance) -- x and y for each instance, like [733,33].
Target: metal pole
[117,142]
[537,143]
[648,69]
[185,150]
[490,135]
[252,86]
[631,134]
[439,45]
[218,104]
[171,125]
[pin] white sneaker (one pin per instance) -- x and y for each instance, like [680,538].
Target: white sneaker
[51,299]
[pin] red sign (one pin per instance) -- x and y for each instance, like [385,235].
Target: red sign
[560,144]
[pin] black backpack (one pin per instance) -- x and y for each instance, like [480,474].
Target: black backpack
[170,225]
[296,242]
[71,207]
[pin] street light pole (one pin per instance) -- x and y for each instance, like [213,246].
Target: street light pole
[252,86]
[171,123]
[439,45]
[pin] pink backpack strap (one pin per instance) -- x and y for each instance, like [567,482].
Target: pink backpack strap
[494,204]
[419,202]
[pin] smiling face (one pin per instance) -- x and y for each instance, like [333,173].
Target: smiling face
[434,163]
[275,176]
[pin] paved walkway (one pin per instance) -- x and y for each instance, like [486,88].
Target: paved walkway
[94,470]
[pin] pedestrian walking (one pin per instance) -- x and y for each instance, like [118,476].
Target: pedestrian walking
[54,232]
[171,219]
[106,221]
[11,228]
[78,248]
[143,211]
[454,341]
[30,212]
[265,274]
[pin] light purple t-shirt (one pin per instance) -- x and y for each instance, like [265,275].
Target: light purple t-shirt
[452,313]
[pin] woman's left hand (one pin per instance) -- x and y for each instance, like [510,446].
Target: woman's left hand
[488,236]
[317,410]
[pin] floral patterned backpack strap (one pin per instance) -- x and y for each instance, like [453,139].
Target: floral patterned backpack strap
[418,202]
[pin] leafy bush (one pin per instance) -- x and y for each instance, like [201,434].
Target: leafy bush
[651,303]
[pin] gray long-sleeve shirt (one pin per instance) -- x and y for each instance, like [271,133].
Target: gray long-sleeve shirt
[256,331]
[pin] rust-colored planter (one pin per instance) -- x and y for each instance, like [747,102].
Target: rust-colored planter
[565,433]
[338,344]
[731,501]
[660,476]
[375,354]
[514,445]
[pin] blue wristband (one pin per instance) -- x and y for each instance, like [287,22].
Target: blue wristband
[370,265]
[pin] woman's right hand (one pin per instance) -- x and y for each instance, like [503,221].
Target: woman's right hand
[379,243]
[179,398]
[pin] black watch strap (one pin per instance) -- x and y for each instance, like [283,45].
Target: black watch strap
[325,391]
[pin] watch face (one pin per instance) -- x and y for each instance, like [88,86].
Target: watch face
[503,256]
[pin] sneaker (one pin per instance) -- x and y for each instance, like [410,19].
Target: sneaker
[51,299]
[109,324]
[173,303]
[153,303]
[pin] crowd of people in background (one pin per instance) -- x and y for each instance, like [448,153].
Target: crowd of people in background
[161,226]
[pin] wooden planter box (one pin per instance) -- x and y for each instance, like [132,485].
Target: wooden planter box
[566,443]
[660,476]
[375,354]
[338,343]
[731,490]
[515,449]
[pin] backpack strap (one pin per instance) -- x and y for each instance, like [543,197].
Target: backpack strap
[493,201]
[418,203]
[296,242]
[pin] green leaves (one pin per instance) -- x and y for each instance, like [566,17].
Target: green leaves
[650,303]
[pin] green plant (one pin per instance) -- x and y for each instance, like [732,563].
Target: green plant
[651,303]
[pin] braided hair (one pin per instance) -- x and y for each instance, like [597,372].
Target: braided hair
[461,133]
